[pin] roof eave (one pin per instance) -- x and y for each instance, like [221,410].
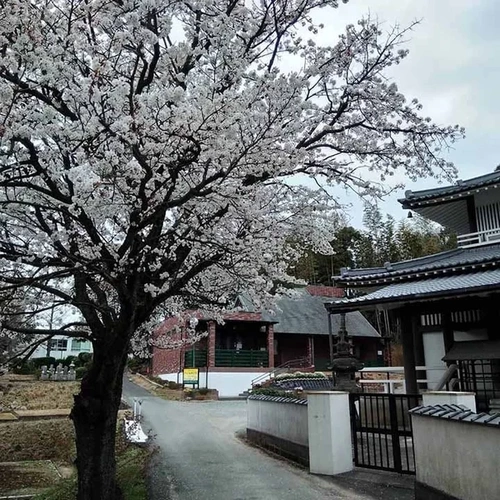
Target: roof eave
[337,308]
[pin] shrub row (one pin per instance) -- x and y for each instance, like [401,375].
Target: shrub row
[34,366]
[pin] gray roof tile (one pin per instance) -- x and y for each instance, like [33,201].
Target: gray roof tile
[425,287]
[452,258]
[414,198]
[475,349]
[278,399]
[457,412]
[306,314]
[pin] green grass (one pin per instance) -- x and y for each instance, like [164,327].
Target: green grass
[131,466]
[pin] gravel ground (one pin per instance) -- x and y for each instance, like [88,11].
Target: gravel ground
[200,457]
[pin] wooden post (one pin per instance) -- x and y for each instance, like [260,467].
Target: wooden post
[330,336]
[270,344]
[310,350]
[447,330]
[211,344]
[408,326]
[418,345]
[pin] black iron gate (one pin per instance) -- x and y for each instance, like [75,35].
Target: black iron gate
[381,430]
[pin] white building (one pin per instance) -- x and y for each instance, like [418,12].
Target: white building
[60,347]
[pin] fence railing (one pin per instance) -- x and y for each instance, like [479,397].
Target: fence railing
[393,380]
[478,238]
[303,362]
[449,380]
[381,431]
[483,378]
[241,358]
[195,358]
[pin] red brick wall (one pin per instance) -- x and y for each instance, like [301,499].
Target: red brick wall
[325,291]
[167,360]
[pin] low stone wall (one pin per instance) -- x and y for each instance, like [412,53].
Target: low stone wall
[456,453]
[279,424]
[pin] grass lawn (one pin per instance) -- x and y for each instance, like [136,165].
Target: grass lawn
[27,476]
[36,394]
[51,439]
[51,442]
[162,392]
[131,464]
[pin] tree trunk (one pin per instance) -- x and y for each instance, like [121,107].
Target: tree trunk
[94,415]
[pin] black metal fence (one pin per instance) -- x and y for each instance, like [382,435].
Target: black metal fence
[381,430]
[483,378]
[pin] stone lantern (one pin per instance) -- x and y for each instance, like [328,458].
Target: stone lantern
[343,363]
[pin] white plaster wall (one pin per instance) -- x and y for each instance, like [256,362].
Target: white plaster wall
[460,459]
[283,420]
[229,384]
[330,442]
[41,351]
[467,399]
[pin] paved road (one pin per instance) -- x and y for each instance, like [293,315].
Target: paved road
[200,457]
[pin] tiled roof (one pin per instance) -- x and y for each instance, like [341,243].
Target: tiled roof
[306,383]
[472,350]
[306,314]
[425,288]
[416,198]
[302,314]
[457,412]
[456,258]
[278,399]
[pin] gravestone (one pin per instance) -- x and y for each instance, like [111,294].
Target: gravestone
[72,372]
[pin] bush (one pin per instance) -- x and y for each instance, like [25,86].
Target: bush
[71,359]
[268,391]
[85,357]
[138,365]
[203,391]
[174,386]
[294,375]
[44,361]
[80,372]
[24,368]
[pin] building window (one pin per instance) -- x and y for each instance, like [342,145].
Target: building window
[80,345]
[58,344]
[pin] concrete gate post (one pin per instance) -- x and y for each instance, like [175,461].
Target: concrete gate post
[329,428]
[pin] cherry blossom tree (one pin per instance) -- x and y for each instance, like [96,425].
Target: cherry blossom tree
[149,158]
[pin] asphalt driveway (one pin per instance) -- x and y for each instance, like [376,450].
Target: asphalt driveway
[200,457]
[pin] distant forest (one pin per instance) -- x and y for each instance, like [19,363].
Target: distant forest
[382,240]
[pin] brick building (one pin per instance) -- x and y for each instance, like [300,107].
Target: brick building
[250,343]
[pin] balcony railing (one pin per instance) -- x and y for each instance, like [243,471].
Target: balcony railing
[479,238]
[241,358]
[195,358]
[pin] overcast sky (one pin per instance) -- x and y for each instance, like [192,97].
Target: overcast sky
[453,69]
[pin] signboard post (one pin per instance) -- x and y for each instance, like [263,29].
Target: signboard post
[191,376]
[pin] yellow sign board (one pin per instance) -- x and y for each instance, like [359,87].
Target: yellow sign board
[190,375]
